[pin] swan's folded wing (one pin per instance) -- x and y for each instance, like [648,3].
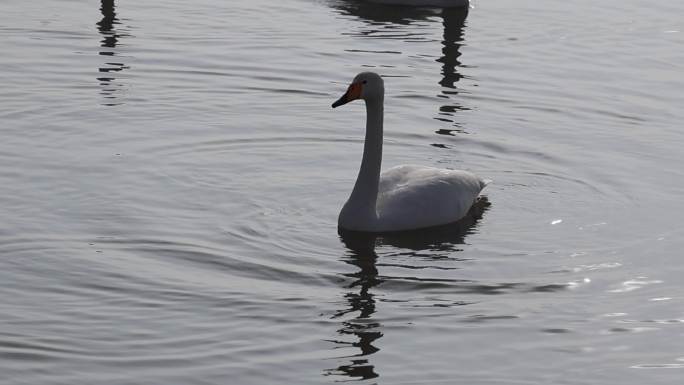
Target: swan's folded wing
[424,196]
[399,176]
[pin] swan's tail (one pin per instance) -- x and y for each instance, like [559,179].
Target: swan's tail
[485,182]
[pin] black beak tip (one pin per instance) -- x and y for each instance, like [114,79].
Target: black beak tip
[340,101]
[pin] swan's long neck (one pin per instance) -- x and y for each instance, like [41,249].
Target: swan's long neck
[362,201]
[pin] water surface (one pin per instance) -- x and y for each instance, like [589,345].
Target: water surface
[171,175]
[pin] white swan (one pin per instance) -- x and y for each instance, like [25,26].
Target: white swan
[403,197]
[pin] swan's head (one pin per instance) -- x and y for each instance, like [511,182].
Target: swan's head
[366,86]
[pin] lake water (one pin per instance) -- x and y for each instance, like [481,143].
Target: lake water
[171,174]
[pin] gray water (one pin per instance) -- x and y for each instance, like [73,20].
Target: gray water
[171,174]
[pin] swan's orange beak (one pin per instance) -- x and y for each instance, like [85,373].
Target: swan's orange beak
[353,93]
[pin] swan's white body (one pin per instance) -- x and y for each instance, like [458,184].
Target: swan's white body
[403,197]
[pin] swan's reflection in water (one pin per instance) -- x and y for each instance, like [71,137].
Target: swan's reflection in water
[360,300]
[363,329]
[453,20]
[382,22]
[110,39]
[379,15]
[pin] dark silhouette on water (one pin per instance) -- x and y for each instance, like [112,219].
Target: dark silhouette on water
[361,300]
[110,40]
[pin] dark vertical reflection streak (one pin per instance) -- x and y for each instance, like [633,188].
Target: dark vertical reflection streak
[110,39]
[453,20]
[360,300]
[106,25]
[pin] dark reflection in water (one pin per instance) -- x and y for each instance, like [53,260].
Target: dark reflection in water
[110,39]
[380,19]
[379,15]
[361,300]
[453,20]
